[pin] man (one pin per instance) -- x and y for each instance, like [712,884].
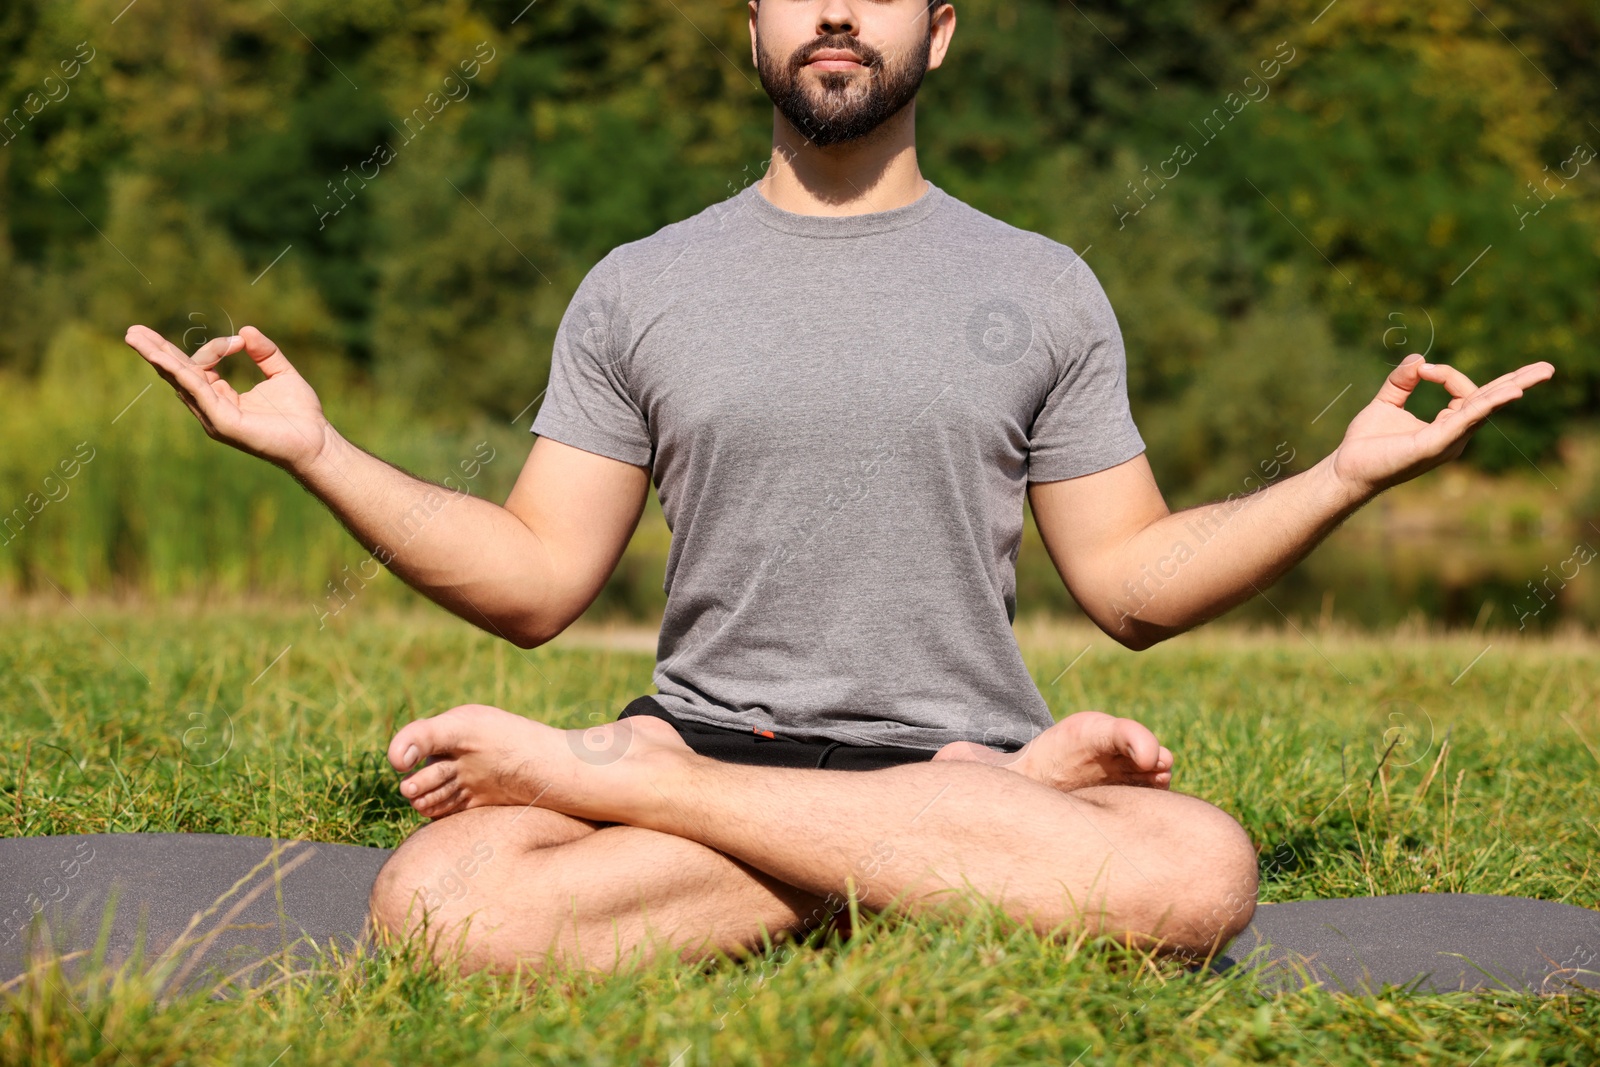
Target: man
[842,381]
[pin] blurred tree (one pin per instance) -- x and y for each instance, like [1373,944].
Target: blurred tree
[202,163]
[468,301]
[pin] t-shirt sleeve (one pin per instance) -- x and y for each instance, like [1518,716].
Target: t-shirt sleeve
[588,404]
[1085,424]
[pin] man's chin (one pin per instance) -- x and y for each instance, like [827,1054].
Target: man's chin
[836,91]
[842,115]
[827,138]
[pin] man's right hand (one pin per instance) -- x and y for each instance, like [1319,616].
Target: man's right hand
[523,571]
[280,420]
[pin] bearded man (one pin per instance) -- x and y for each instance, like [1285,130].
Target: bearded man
[843,383]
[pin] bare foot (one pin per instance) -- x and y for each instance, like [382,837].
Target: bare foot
[475,755]
[1088,748]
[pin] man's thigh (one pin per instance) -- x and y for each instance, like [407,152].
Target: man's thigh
[506,885]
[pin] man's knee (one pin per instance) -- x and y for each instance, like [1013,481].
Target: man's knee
[1214,884]
[431,868]
[1197,874]
[447,866]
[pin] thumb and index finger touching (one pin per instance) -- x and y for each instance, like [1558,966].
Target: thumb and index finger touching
[190,380]
[257,345]
[206,394]
[267,355]
[196,375]
[1470,405]
[1415,369]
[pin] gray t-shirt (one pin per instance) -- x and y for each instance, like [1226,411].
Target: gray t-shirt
[840,416]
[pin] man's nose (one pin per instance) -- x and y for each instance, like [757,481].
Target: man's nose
[836,17]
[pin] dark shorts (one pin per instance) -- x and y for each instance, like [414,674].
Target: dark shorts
[748,746]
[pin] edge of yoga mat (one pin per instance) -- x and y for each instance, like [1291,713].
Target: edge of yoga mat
[1431,942]
[266,911]
[263,902]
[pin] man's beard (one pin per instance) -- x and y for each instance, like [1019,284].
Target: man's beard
[841,110]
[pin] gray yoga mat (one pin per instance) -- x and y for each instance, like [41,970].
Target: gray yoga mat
[1432,942]
[262,903]
[266,911]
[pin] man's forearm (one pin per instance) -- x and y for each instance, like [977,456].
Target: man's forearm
[1194,565]
[467,554]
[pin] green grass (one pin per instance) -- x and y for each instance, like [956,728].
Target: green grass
[172,719]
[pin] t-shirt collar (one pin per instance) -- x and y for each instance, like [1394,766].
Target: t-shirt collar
[751,199]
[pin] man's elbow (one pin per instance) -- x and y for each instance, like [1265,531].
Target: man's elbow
[533,625]
[533,632]
[539,617]
[543,620]
[528,639]
[1136,634]
[1136,641]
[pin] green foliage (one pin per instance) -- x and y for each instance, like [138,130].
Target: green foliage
[412,242]
[1396,141]
[466,318]
[154,506]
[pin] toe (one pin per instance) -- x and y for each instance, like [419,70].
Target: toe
[438,794]
[413,743]
[1134,741]
[446,800]
[441,734]
[434,775]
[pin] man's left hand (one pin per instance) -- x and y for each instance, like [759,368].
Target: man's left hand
[1386,444]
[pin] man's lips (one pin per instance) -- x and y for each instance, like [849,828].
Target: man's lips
[834,59]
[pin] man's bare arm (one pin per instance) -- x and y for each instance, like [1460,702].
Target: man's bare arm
[1144,574]
[523,571]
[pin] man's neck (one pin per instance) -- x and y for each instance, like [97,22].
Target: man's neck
[876,173]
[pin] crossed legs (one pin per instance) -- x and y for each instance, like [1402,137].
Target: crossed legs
[540,857]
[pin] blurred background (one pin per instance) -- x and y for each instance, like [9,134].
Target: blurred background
[1282,200]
